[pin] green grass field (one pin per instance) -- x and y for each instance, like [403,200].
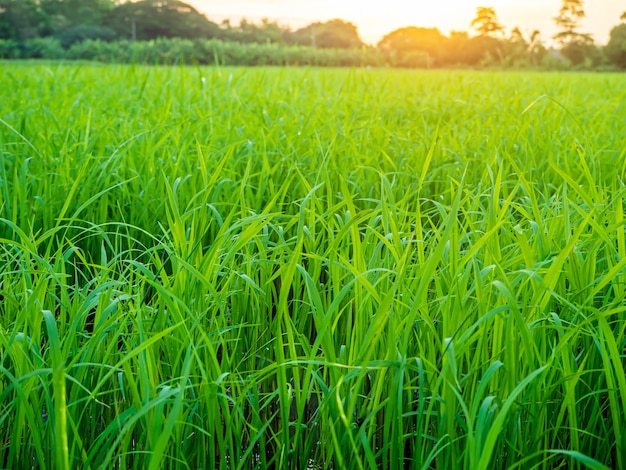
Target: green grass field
[300,268]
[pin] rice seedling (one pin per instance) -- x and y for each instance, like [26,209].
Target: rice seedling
[300,268]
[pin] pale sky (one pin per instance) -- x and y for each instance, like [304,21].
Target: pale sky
[375,18]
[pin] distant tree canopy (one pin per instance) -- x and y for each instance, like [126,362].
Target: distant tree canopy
[63,14]
[333,34]
[576,46]
[64,23]
[413,38]
[486,22]
[83,32]
[413,43]
[571,14]
[21,19]
[616,48]
[150,19]
[73,20]
[248,33]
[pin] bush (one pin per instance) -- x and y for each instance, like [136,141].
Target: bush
[616,48]
[82,32]
[42,48]
[200,51]
[10,49]
[554,60]
[415,59]
[581,54]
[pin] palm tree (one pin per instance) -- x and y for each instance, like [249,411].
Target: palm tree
[486,22]
[535,47]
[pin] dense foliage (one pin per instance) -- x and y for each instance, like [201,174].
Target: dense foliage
[616,48]
[23,24]
[153,19]
[185,51]
[462,52]
[293,268]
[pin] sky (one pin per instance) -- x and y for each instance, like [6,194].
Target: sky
[375,18]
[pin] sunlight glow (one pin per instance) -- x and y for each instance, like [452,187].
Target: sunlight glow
[375,18]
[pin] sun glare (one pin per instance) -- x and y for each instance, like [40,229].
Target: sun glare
[375,18]
[410,11]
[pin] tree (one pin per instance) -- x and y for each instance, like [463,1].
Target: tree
[486,22]
[406,41]
[63,14]
[576,46]
[536,49]
[263,33]
[616,48]
[484,51]
[516,48]
[335,34]
[20,19]
[570,16]
[521,50]
[82,32]
[151,19]
[455,51]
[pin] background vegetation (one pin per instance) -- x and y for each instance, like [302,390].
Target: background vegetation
[290,268]
[70,29]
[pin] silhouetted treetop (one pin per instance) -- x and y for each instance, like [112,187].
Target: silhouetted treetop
[568,20]
[486,22]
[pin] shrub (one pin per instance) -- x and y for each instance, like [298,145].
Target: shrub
[43,48]
[82,32]
[10,49]
[166,51]
[616,48]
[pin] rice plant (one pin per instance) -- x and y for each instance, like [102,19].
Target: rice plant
[299,268]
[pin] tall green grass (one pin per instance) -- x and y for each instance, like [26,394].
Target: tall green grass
[292,268]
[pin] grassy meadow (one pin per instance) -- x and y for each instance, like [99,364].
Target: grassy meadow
[298,268]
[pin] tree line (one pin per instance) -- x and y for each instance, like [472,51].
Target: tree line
[67,28]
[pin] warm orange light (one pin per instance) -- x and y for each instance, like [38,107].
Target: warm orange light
[375,18]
